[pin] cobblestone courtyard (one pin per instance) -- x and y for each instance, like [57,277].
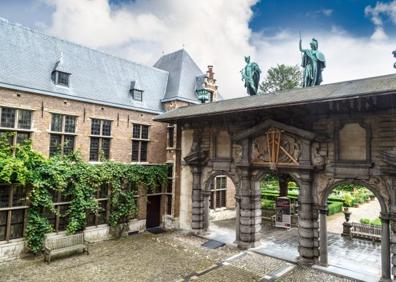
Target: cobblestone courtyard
[164,257]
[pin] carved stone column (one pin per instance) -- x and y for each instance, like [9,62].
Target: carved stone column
[393,243]
[237,218]
[323,258]
[307,224]
[249,211]
[197,220]
[385,248]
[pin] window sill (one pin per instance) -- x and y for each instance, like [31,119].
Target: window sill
[16,129]
[101,136]
[61,133]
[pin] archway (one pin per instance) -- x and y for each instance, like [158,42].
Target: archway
[220,207]
[281,234]
[351,247]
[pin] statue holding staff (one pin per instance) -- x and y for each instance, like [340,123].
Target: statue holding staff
[313,62]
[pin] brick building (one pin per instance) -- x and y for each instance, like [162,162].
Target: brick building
[67,97]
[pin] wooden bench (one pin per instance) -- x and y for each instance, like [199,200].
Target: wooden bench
[65,245]
[366,231]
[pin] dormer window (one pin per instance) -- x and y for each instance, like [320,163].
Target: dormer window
[137,95]
[135,91]
[61,78]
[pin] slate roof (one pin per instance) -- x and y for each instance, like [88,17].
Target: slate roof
[182,76]
[27,58]
[328,92]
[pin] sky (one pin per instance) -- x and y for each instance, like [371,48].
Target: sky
[357,37]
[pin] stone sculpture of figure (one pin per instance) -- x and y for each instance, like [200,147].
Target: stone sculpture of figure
[313,63]
[251,76]
[394,55]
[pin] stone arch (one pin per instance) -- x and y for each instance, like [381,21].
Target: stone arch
[234,178]
[370,186]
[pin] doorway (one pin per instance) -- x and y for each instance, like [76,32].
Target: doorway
[153,218]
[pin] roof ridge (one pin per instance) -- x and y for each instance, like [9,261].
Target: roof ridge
[36,31]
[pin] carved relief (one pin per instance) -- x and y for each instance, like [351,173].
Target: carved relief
[317,156]
[237,153]
[276,148]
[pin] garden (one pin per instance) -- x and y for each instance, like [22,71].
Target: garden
[343,196]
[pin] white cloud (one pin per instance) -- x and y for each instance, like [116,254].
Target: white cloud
[377,13]
[213,32]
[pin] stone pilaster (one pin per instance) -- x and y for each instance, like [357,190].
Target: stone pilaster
[249,212]
[393,244]
[385,248]
[307,225]
[197,220]
[323,258]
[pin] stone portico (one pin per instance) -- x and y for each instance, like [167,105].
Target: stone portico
[321,136]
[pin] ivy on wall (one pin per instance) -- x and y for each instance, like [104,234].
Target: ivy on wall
[76,180]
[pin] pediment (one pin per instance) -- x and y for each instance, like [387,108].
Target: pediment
[261,128]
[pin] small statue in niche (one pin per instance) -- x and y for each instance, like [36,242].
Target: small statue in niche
[317,158]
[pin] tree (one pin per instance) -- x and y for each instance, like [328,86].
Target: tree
[281,77]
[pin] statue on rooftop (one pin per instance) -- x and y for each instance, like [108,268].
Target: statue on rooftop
[394,55]
[251,76]
[313,62]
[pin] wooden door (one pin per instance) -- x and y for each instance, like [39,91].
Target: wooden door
[153,211]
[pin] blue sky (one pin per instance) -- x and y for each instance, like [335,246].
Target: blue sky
[317,15]
[356,36]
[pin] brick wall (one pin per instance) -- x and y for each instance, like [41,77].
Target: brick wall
[121,145]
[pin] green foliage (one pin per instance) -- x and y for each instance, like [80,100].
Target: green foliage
[348,200]
[267,204]
[78,182]
[334,207]
[281,77]
[374,222]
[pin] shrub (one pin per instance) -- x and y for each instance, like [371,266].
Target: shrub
[334,207]
[348,199]
[267,204]
[364,220]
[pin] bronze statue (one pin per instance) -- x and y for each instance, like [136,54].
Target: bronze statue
[251,76]
[313,62]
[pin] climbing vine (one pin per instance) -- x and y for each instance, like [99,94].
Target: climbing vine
[75,180]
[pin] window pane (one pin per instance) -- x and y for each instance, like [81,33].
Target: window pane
[145,131]
[63,78]
[171,131]
[103,191]
[95,127]
[90,219]
[3,225]
[19,197]
[17,219]
[70,124]
[68,146]
[22,136]
[57,123]
[102,212]
[136,131]
[106,128]
[55,144]
[4,195]
[218,199]
[143,151]
[135,151]
[106,148]
[221,183]
[137,95]
[24,119]
[51,218]
[94,149]
[63,219]
[8,117]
